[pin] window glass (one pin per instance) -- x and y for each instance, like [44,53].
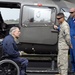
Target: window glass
[40,15]
[33,14]
[10,16]
[66,13]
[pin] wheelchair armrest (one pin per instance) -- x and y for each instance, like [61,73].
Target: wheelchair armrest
[4,57]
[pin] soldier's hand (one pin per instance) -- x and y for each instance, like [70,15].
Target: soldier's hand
[71,46]
[55,27]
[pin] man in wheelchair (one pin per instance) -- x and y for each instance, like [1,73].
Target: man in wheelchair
[11,50]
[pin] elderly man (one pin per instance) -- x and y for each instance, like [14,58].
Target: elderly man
[10,48]
[64,43]
[71,22]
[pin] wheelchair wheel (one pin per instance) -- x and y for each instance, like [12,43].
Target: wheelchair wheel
[9,67]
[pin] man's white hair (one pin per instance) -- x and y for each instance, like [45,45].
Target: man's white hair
[12,30]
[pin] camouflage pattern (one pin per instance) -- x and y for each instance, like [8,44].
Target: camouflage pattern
[63,47]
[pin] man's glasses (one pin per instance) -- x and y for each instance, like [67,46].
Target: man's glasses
[71,12]
[59,18]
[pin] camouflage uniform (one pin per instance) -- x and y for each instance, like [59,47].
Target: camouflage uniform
[63,46]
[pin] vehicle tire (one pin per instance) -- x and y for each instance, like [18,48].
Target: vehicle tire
[9,67]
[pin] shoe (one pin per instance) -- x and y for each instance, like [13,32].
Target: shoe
[73,73]
[25,73]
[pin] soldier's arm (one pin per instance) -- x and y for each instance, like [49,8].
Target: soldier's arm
[67,35]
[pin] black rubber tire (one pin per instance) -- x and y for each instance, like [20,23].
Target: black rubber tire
[9,67]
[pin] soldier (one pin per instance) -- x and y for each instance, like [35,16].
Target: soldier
[63,44]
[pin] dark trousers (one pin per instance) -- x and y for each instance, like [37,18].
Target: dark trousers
[24,64]
[72,54]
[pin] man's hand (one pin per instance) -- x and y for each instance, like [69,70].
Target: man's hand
[22,53]
[71,46]
[55,27]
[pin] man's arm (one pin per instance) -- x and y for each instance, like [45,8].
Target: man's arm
[57,27]
[67,35]
[9,48]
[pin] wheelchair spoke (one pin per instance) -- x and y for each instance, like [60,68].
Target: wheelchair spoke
[8,69]
[2,72]
[14,71]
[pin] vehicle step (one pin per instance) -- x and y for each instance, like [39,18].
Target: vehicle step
[43,71]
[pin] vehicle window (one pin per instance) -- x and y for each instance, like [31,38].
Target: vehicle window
[33,14]
[66,13]
[10,16]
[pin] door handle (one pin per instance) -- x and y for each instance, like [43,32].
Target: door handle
[54,31]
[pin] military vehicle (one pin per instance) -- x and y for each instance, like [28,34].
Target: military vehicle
[36,19]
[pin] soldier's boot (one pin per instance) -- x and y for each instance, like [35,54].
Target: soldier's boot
[73,73]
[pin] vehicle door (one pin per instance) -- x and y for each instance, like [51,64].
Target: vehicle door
[37,25]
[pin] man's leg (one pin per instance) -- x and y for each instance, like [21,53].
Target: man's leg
[64,62]
[72,60]
[24,64]
[72,54]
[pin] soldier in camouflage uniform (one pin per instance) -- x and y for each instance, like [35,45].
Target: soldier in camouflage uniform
[63,44]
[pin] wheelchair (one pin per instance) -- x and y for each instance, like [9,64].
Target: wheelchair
[8,66]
